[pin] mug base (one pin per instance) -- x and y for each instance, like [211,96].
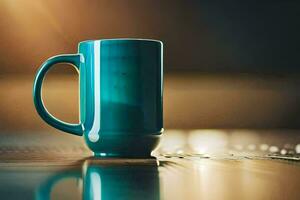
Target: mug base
[131,146]
[122,155]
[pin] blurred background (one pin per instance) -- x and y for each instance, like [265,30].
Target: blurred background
[232,65]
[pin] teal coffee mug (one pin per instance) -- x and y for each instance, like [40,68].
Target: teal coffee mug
[121,95]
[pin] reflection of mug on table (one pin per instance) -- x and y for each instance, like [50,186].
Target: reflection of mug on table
[120,95]
[107,180]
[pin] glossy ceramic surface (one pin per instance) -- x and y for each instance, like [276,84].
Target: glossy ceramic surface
[121,90]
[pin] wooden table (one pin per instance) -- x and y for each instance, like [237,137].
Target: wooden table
[191,164]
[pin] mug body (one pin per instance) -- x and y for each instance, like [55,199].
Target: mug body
[121,93]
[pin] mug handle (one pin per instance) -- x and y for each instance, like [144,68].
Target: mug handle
[73,59]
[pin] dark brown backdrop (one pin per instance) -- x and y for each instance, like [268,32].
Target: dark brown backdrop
[227,64]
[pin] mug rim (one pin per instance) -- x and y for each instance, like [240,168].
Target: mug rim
[121,39]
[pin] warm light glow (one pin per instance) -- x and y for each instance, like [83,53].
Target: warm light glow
[283,152]
[273,149]
[245,140]
[206,141]
[263,147]
[297,148]
[25,13]
[251,147]
[238,147]
[172,141]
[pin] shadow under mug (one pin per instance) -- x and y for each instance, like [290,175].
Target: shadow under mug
[121,95]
